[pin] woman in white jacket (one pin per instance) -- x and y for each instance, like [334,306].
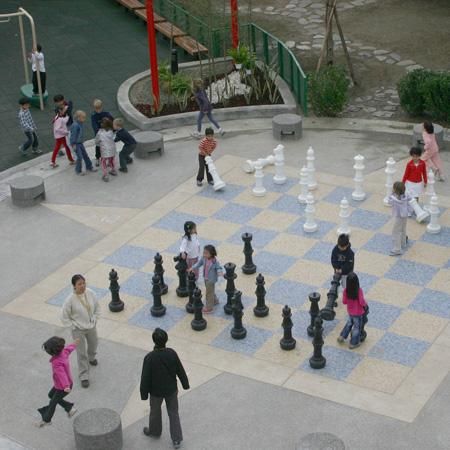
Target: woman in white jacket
[105,140]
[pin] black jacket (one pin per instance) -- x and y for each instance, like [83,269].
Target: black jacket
[124,136]
[159,373]
[343,260]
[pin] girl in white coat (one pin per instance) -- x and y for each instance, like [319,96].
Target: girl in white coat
[105,140]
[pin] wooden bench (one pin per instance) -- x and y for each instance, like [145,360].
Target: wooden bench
[142,14]
[132,5]
[189,44]
[169,30]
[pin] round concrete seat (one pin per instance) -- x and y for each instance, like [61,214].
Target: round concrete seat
[28,190]
[287,125]
[417,136]
[148,142]
[98,429]
[27,91]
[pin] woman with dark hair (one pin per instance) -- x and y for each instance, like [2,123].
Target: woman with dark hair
[81,311]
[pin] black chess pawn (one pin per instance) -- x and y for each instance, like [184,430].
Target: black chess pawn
[116,304]
[328,312]
[159,270]
[230,289]
[314,298]
[248,268]
[238,331]
[317,360]
[181,268]
[191,288]
[157,309]
[198,323]
[261,309]
[287,342]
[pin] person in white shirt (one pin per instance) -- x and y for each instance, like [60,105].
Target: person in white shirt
[190,245]
[36,59]
[81,311]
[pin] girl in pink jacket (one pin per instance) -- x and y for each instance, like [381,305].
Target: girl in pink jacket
[62,379]
[60,132]
[431,154]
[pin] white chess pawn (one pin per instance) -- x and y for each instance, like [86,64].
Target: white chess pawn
[312,184]
[389,171]
[433,227]
[259,190]
[358,194]
[279,177]
[218,182]
[344,214]
[429,191]
[310,225]
[249,165]
[421,215]
[303,185]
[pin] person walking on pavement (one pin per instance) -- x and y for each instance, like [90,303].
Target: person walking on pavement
[159,379]
[81,311]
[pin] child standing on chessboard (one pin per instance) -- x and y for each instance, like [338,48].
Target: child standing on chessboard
[129,144]
[211,272]
[190,245]
[105,140]
[399,201]
[431,154]
[62,379]
[76,142]
[207,145]
[353,297]
[96,120]
[60,132]
[415,176]
[343,258]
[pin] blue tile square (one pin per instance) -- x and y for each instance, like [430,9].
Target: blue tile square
[368,220]
[381,315]
[131,257]
[320,252]
[399,349]
[323,228]
[337,194]
[379,243]
[144,319]
[447,266]
[260,239]
[302,320]
[366,281]
[411,272]
[226,194]
[255,339]
[248,302]
[233,212]
[291,293]
[340,363]
[442,239]
[139,285]
[432,302]
[272,264]
[59,298]
[271,186]
[174,221]
[288,204]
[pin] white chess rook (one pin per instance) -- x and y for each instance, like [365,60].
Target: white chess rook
[303,185]
[344,214]
[249,165]
[389,171]
[433,227]
[310,225]
[218,182]
[259,190]
[429,191]
[421,215]
[358,194]
[279,177]
[310,158]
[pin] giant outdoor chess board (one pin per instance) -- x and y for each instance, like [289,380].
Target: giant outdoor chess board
[394,372]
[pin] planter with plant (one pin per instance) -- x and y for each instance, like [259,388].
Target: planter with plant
[242,56]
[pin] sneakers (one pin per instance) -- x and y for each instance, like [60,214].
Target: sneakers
[176,444]
[53,165]
[199,183]
[92,169]
[105,178]
[42,424]
[21,150]
[352,346]
[392,253]
[85,383]
[129,160]
[94,362]
[195,134]
[36,151]
[146,431]
[123,169]
[207,310]
[211,182]
[81,174]
[113,173]
[72,412]
[60,153]
[340,339]
[220,130]
[97,163]
[71,163]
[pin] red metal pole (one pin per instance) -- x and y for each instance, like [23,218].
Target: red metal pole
[152,52]
[234,23]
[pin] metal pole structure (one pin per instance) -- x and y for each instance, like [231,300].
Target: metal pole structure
[234,23]
[152,53]
[24,50]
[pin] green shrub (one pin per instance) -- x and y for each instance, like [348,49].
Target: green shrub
[410,91]
[328,91]
[436,94]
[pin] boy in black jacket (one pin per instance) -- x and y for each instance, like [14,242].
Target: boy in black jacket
[159,379]
[129,144]
[343,258]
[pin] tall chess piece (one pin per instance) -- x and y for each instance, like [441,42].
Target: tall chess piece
[389,171]
[198,323]
[159,270]
[249,166]
[364,323]
[328,312]
[279,177]
[317,360]
[230,289]
[344,214]
[116,304]
[303,186]
[429,191]
[287,342]
[157,309]
[310,225]
[261,309]
[358,194]
[433,227]
[310,158]
[248,268]
[259,190]
[191,288]
[421,215]
[238,331]
[218,182]
[314,298]
[181,268]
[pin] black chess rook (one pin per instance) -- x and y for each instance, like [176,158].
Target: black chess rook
[116,304]
[314,312]
[157,309]
[238,331]
[198,323]
[159,270]
[191,288]
[248,268]
[261,309]
[287,342]
[230,288]
[317,360]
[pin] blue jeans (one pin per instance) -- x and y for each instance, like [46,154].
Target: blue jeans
[353,325]
[32,139]
[200,116]
[80,151]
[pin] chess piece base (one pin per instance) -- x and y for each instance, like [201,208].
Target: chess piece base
[261,192]
[310,228]
[261,312]
[157,311]
[288,344]
[359,197]
[228,309]
[279,180]
[182,292]
[433,229]
[249,270]
[189,308]
[326,314]
[238,333]
[198,325]
[164,289]
[116,306]
[317,363]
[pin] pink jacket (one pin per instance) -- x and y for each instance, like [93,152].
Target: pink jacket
[354,307]
[62,377]
[60,127]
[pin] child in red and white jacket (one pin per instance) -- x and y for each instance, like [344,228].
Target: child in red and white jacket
[60,132]
[415,176]
[205,148]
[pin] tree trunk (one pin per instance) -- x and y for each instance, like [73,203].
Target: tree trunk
[329,23]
